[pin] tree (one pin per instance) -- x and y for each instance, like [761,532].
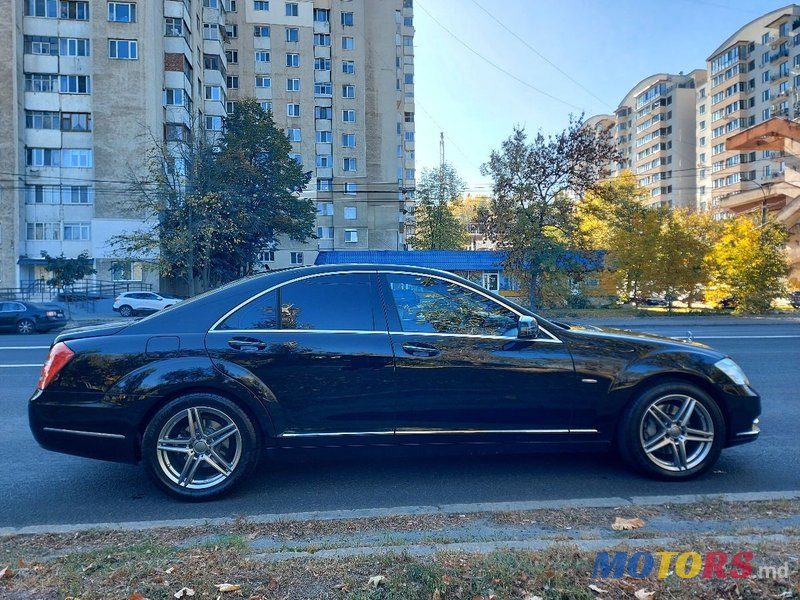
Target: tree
[211,208]
[535,190]
[66,271]
[438,194]
[749,262]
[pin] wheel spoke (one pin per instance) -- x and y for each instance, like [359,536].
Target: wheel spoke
[657,442]
[187,474]
[680,455]
[686,410]
[698,435]
[660,416]
[195,424]
[222,434]
[180,446]
[216,461]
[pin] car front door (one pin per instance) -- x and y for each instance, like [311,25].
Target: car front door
[462,370]
[7,316]
[320,346]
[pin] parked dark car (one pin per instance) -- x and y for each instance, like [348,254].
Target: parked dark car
[794,299]
[366,355]
[25,317]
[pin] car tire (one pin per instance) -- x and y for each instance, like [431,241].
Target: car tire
[126,311]
[26,327]
[672,431]
[197,463]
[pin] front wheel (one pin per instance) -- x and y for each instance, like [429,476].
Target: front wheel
[672,431]
[199,446]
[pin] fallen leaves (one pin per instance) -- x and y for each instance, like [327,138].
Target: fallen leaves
[376,580]
[596,589]
[225,588]
[6,573]
[621,524]
[183,592]
[643,594]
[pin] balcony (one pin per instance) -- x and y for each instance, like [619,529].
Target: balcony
[779,76]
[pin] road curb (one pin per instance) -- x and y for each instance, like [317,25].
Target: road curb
[409,511]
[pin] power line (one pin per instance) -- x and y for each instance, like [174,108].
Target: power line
[495,65]
[540,55]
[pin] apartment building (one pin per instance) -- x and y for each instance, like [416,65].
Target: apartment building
[338,76]
[654,130]
[89,85]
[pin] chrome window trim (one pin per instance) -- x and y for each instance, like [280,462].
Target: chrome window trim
[438,431]
[553,339]
[397,333]
[115,436]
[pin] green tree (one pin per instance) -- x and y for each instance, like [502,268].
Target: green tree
[66,271]
[749,262]
[535,186]
[438,194]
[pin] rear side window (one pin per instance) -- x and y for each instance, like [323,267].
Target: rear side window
[329,302]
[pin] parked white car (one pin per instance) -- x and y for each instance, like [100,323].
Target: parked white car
[129,304]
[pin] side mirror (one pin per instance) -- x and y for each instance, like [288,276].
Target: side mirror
[527,328]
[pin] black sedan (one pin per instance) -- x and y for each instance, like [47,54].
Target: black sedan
[25,317]
[367,355]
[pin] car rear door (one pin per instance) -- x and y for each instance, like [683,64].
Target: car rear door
[461,370]
[320,350]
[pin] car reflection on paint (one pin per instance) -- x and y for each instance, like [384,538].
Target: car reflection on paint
[371,355]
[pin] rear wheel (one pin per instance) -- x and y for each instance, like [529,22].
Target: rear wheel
[199,446]
[25,327]
[672,431]
[125,310]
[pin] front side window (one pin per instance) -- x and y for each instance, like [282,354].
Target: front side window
[432,305]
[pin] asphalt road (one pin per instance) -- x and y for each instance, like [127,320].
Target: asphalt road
[40,487]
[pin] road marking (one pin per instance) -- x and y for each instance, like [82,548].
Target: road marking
[24,347]
[18,366]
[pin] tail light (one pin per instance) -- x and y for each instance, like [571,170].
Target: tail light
[51,313]
[59,356]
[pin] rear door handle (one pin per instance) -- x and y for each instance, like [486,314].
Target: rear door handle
[247,344]
[420,349]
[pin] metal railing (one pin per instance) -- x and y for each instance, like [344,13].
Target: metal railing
[37,290]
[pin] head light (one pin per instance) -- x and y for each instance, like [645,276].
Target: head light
[733,371]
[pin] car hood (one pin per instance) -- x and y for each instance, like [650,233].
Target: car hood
[644,341]
[92,331]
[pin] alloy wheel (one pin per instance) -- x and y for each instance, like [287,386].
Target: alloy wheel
[676,432]
[25,326]
[199,447]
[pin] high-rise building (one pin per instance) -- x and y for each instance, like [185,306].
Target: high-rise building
[89,85]
[654,130]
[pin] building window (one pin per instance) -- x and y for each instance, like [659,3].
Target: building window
[76,194]
[232,56]
[296,258]
[261,31]
[77,231]
[292,59]
[325,209]
[263,82]
[41,45]
[173,27]
[350,213]
[322,39]
[214,92]
[265,106]
[296,157]
[348,67]
[348,91]
[126,270]
[73,121]
[350,235]
[230,107]
[74,10]
[41,82]
[293,84]
[41,8]
[260,5]
[232,31]
[76,158]
[292,34]
[324,185]
[324,160]
[213,123]
[349,164]
[293,110]
[322,64]
[42,194]
[292,9]
[230,5]
[293,133]
[211,31]
[323,112]
[349,140]
[122,12]
[41,119]
[324,137]
[73,47]
[350,188]
[408,78]
[324,88]
[74,84]
[349,116]
[262,56]
[409,117]
[409,136]
[347,19]
[43,231]
[322,15]
[325,233]
[42,157]
[232,82]
[176,132]
[123,49]
[348,43]
[266,256]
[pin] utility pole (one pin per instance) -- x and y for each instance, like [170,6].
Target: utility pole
[441,204]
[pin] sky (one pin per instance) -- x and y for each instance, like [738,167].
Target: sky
[558,57]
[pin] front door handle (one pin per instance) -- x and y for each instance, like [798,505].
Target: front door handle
[420,349]
[247,344]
